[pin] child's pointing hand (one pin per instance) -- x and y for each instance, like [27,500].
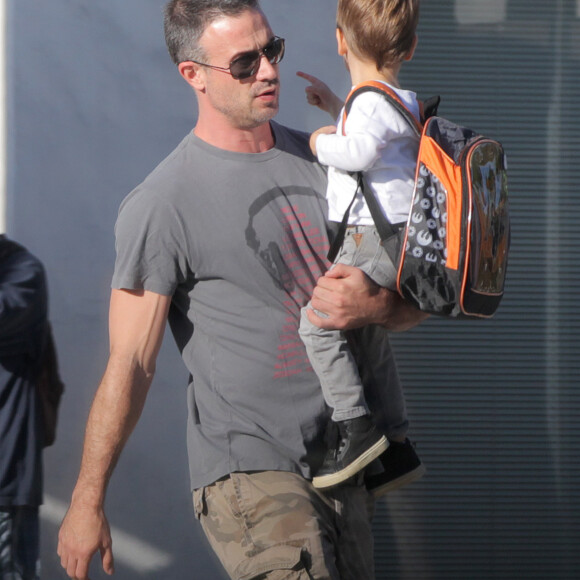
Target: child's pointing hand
[319,95]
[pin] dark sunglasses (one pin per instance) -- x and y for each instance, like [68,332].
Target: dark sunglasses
[247,64]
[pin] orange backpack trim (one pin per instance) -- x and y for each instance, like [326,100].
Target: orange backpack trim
[449,173]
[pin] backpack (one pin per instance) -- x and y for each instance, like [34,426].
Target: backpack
[452,252]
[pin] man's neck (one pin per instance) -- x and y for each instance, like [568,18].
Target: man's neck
[257,140]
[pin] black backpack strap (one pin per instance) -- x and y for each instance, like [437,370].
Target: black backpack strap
[339,238]
[430,107]
[384,227]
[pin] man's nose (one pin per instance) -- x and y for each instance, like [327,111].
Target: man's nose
[266,70]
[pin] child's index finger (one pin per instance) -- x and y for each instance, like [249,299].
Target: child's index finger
[306,76]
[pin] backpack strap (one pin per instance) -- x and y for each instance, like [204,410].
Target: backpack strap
[341,232]
[391,96]
[384,227]
[429,107]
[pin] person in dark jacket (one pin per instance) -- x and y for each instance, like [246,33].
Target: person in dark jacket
[23,323]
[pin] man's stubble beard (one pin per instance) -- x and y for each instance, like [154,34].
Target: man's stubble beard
[250,117]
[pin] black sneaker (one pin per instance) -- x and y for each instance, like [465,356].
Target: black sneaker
[401,466]
[359,443]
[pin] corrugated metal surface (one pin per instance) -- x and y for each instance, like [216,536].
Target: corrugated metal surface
[494,405]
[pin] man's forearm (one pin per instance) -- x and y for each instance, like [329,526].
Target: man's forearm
[115,411]
[136,324]
[398,315]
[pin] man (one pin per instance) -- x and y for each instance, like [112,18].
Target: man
[23,320]
[225,239]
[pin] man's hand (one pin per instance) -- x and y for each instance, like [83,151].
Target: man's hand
[319,95]
[351,299]
[84,532]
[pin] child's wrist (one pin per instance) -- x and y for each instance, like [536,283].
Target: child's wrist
[313,138]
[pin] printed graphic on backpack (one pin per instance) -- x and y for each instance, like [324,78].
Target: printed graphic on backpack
[457,238]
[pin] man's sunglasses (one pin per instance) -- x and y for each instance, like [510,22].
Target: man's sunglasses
[247,64]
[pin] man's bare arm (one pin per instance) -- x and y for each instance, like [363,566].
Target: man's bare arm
[351,300]
[136,327]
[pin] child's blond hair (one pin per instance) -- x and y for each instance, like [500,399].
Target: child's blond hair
[380,30]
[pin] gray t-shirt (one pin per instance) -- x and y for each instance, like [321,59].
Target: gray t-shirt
[238,240]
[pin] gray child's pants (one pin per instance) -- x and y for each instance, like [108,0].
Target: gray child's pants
[328,350]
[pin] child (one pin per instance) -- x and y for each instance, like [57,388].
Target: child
[374,37]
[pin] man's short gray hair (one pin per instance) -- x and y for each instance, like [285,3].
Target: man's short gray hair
[186,20]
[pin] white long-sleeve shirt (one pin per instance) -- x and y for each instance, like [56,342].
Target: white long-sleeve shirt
[379,142]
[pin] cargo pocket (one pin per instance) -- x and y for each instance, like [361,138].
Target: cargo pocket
[199,505]
[281,562]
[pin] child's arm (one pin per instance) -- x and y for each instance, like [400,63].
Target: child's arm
[352,152]
[369,128]
[328,130]
[320,95]
[356,151]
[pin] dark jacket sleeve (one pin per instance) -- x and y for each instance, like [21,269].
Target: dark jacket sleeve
[23,303]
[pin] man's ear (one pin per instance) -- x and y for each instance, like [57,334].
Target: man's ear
[192,74]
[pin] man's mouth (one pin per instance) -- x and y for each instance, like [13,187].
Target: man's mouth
[269,92]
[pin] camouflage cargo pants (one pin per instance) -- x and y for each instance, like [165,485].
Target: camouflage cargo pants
[274,525]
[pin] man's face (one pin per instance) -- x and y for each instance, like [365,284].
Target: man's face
[247,103]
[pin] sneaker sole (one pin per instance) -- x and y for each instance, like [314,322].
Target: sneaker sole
[352,468]
[406,479]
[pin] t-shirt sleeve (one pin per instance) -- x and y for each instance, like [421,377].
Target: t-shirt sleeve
[150,245]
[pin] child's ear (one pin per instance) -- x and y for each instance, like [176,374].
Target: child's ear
[341,42]
[412,51]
